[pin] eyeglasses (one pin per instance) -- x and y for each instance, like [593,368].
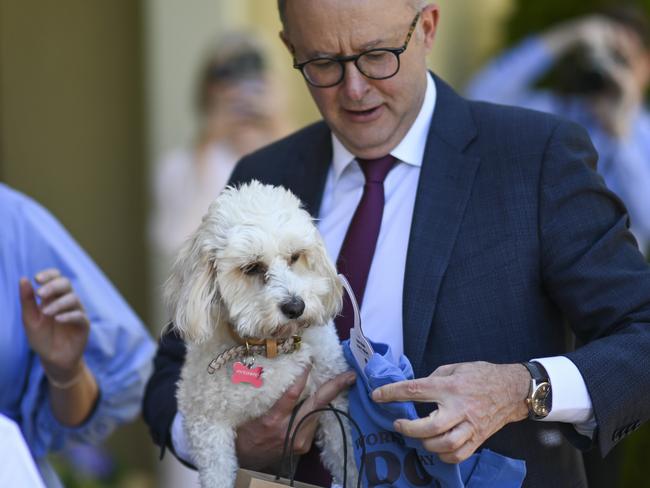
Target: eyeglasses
[376,64]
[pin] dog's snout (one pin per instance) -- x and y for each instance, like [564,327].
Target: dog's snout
[293,308]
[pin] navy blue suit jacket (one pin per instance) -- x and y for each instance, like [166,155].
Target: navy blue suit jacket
[516,249]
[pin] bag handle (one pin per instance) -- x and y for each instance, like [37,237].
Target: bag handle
[285,447]
[336,412]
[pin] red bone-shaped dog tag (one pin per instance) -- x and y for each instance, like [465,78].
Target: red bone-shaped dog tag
[243,374]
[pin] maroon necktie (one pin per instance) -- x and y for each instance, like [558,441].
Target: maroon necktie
[360,241]
[354,263]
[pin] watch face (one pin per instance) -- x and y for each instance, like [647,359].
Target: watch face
[539,403]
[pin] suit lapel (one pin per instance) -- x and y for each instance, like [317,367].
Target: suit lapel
[307,173]
[446,180]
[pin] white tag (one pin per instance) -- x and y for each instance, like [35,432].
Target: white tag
[359,344]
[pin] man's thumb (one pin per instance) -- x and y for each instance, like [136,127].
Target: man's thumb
[28,303]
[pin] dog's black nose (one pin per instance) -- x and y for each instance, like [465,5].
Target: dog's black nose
[293,308]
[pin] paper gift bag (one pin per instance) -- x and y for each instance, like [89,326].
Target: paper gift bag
[253,479]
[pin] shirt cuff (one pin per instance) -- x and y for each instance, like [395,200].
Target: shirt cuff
[179,439]
[571,400]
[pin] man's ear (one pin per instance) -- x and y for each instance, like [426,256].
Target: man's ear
[430,16]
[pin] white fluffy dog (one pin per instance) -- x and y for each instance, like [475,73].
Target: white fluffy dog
[256,271]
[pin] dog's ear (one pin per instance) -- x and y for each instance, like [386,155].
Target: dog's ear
[324,267]
[192,292]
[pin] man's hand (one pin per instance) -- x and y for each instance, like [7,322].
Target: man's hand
[616,108]
[57,329]
[474,400]
[260,441]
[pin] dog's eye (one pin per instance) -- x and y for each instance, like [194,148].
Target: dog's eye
[294,257]
[254,269]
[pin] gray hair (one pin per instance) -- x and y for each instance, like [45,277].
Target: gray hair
[282,8]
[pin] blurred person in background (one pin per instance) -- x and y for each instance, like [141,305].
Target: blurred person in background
[74,357]
[240,109]
[595,70]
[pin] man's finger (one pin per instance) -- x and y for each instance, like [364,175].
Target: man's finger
[439,422]
[305,435]
[420,390]
[66,303]
[31,312]
[445,370]
[461,454]
[47,275]
[320,399]
[54,288]
[331,389]
[450,441]
[325,395]
[76,317]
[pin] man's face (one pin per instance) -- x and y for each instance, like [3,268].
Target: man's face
[370,117]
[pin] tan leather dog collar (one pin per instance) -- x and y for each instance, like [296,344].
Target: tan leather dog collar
[270,345]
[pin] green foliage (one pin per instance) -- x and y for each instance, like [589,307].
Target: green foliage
[635,462]
[535,16]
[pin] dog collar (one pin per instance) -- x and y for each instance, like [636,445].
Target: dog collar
[247,351]
[270,345]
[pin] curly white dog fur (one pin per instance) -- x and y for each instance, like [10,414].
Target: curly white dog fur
[257,264]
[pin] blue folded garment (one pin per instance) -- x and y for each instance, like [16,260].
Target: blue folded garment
[397,461]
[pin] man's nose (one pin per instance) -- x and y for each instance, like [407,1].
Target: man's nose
[355,84]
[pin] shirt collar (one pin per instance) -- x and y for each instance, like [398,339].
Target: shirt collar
[410,150]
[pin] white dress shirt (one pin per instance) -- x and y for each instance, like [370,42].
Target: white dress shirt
[17,466]
[381,314]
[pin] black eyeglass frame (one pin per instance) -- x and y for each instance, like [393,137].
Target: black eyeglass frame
[355,58]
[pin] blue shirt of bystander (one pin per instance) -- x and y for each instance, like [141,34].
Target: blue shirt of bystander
[624,163]
[119,350]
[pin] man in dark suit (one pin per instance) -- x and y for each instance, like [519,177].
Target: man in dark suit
[496,244]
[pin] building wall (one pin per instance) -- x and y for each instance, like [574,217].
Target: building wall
[71,136]
[71,125]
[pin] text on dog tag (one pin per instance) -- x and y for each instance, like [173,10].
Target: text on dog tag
[243,374]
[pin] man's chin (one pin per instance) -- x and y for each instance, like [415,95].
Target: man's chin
[367,144]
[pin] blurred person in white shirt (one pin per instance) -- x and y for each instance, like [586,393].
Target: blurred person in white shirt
[240,110]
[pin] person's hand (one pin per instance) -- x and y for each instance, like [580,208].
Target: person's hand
[246,115]
[623,60]
[57,329]
[260,441]
[583,30]
[619,52]
[474,400]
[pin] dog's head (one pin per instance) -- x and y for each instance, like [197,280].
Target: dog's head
[256,262]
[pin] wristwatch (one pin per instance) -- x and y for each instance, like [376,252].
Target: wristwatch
[540,396]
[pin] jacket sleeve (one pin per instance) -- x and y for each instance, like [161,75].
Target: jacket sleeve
[160,406]
[594,272]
